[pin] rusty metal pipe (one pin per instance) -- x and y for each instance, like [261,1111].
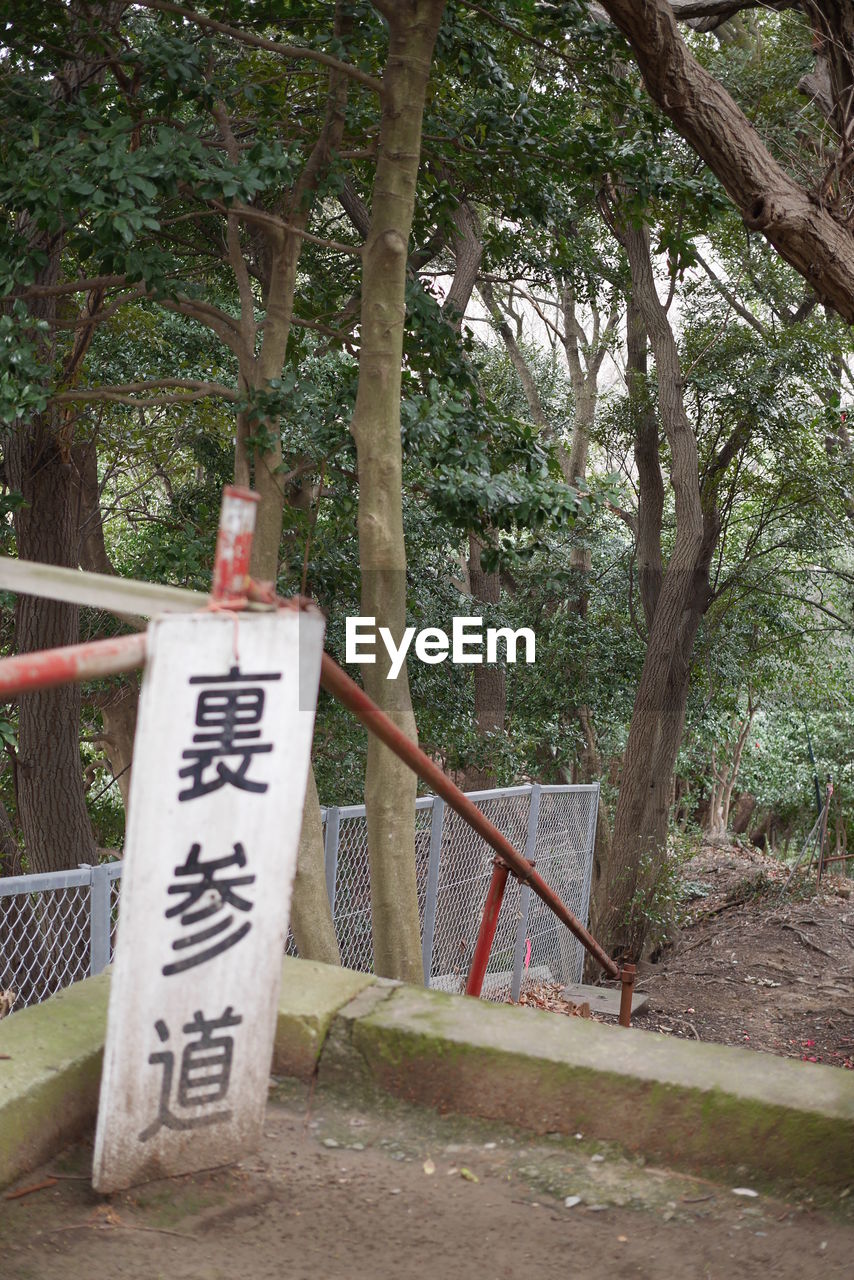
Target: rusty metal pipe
[488,925]
[234,545]
[627,987]
[336,682]
[48,668]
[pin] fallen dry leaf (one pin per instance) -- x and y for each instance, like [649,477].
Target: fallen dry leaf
[547,995]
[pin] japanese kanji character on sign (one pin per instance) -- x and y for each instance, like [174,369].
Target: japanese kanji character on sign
[204,1074]
[227,718]
[206,894]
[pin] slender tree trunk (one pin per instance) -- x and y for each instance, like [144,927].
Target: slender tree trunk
[725,775]
[310,913]
[390,787]
[311,919]
[490,683]
[118,706]
[674,607]
[584,360]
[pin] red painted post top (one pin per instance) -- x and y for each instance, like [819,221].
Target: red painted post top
[234,544]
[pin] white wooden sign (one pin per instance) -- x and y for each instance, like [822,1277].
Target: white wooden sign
[220,766]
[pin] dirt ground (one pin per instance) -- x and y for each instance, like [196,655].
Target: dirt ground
[338,1192]
[755,966]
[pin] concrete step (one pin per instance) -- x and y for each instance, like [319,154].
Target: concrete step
[603,999]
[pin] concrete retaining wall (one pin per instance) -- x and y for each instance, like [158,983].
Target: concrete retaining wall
[712,1109]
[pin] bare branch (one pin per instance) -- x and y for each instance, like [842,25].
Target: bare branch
[69,286]
[269,219]
[730,297]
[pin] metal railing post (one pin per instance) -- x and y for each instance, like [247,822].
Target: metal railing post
[437,819]
[330,853]
[589,855]
[525,894]
[99,919]
[488,925]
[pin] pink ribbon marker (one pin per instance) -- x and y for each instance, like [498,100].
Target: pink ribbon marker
[527,952]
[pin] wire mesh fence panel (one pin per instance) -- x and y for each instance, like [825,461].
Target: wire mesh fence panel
[464,874]
[423,827]
[563,854]
[115,894]
[352,916]
[56,929]
[353,895]
[44,942]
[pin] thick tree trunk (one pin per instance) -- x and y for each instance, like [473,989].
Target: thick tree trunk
[812,231]
[390,787]
[51,801]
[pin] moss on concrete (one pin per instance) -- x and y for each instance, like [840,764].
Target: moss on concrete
[703,1107]
[49,1082]
[342,1066]
[50,1068]
[719,1111]
[310,996]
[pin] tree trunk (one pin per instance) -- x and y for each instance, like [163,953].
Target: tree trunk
[390,787]
[674,610]
[810,230]
[118,706]
[51,799]
[311,918]
[490,683]
[118,712]
[725,777]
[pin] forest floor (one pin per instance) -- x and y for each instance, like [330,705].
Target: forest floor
[755,966]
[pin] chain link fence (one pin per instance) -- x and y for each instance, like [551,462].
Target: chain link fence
[56,928]
[59,927]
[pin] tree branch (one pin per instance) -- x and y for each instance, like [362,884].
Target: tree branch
[727,294]
[818,245]
[259,42]
[126,392]
[271,220]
